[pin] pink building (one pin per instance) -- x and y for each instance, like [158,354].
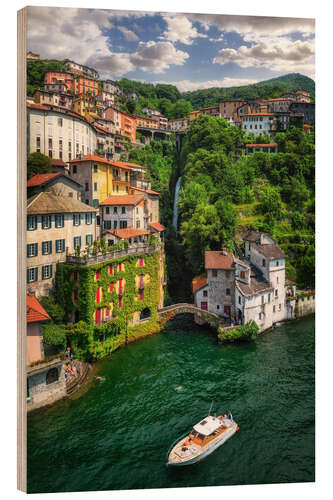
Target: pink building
[36,317]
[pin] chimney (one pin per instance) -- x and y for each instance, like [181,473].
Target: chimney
[224,251]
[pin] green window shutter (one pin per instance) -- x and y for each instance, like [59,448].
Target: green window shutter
[86,218]
[51,271]
[50,248]
[63,245]
[43,221]
[50,220]
[80,241]
[73,219]
[28,276]
[36,274]
[43,273]
[79,219]
[36,249]
[35,222]
[28,250]
[74,242]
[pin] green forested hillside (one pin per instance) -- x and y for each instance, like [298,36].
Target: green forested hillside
[266,89]
[36,71]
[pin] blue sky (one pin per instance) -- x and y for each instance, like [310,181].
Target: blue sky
[188,50]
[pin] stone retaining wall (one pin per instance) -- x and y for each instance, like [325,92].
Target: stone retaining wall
[305,305]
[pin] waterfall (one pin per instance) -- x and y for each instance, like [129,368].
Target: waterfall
[175,205]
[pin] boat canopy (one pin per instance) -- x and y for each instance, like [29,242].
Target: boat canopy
[208,425]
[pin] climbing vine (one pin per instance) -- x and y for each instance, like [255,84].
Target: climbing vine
[75,291]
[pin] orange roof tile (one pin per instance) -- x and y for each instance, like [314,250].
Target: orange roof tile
[129,232]
[100,159]
[119,164]
[273,144]
[35,105]
[217,260]
[35,311]
[157,226]
[56,162]
[148,191]
[39,179]
[259,114]
[123,199]
[198,282]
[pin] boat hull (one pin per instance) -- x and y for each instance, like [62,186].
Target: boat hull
[205,452]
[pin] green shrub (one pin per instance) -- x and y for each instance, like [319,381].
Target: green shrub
[54,335]
[246,332]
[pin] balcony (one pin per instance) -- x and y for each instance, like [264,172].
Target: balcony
[109,256]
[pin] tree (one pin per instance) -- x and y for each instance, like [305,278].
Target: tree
[270,201]
[38,163]
[54,309]
[228,220]
[200,233]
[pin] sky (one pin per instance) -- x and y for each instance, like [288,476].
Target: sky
[191,51]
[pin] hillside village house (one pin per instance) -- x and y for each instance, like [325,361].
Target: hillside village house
[45,381]
[178,124]
[104,141]
[250,289]
[162,120]
[263,148]
[259,123]
[111,87]
[56,182]
[100,178]
[229,109]
[54,98]
[122,211]
[147,122]
[57,87]
[56,225]
[73,67]
[58,133]
[59,77]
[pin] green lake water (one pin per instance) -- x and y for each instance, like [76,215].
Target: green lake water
[116,435]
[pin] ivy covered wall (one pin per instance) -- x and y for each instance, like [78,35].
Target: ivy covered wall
[75,291]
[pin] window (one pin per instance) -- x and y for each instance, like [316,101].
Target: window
[239,299]
[89,219]
[32,250]
[74,169]
[120,267]
[38,142]
[137,210]
[141,262]
[123,224]
[263,299]
[227,292]
[276,292]
[269,298]
[277,263]
[95,169]
[261,315]
[242,275]
[89,239]
[87,186]
[107,210]
[95,203]
[214,272]
[31,222]
[138,224]
[46,221]
[59,220]
[50,143]
[111,287]
[114,224]
[60,246]
[46,247]
[98,295]
[52,376]
[205,294]
[76,219]
[77,241]
[274,309]
[47,272]
[141,294]
[115,210]
[95,186]
[123,210]
[263,263]
[32,274]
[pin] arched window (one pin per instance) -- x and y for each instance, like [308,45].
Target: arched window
[52,376]
[145,313]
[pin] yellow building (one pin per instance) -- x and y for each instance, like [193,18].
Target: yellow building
[100,178]
[86,105]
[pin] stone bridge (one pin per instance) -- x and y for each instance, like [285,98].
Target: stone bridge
[201,317]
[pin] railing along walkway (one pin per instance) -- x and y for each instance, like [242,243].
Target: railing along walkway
[100,258]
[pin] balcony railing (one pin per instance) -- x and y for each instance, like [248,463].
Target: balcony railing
[97,259]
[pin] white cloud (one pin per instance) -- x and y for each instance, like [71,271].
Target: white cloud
[275,53]
[129,35]
[219,39]
[255,26]
[180,29]
[157,56]
[188,86]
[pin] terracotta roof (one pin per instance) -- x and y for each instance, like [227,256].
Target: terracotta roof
[39,179]
[101,159]
[273,144]
[35,311]
[270,251]
[217,260]
[278,99]
[123,199]
[119,164]
[134,165]
[129,232]
[198,282]
[255,236]
[258,114]
[57,162]
[35,105]
[157,226]
[149,191]
[50,203]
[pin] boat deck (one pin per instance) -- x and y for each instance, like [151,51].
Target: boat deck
[183,452]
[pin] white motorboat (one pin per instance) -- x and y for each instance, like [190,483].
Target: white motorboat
[205,437]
